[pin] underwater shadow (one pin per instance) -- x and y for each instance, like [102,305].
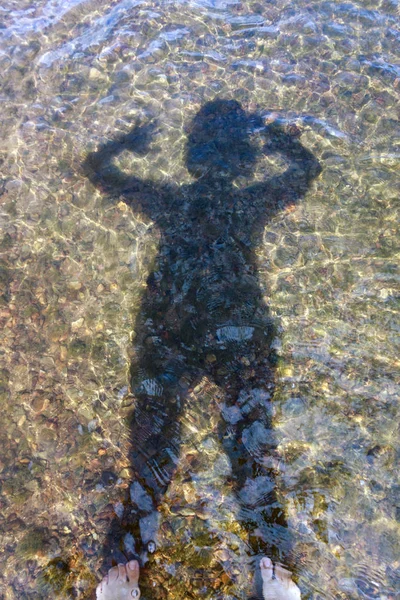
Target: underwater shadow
[203,315]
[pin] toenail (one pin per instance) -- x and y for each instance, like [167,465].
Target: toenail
[132,564]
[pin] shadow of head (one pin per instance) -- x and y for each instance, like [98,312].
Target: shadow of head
[219,145]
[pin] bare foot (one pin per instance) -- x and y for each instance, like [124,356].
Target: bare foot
[280,586]
[120,583]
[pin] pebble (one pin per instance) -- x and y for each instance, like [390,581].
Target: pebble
[95,74]
[76,325]
[231,414]
[129,544]
[75,285]
[58,248]
[140,497]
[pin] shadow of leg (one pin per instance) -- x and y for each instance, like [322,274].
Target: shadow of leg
[248,438]
[155,436]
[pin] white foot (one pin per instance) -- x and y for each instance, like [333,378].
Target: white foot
[120,583]
[281,587]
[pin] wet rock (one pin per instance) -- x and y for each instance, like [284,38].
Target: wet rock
[140,497]
[234,334]
[231,414]
[255,438]
[294,79]
[126,473]
[119,509]
[75,285]
[256,491]
[47,435]
[129,544]
[293,407]
[149,526]
[39,403]
[256,397]
[95,74]
[151,547]
[76,325]
[34,542]
[108,478]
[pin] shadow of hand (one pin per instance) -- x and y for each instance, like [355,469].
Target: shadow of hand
[281,138]
[138,139]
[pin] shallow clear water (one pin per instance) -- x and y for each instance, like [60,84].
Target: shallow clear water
[74,269]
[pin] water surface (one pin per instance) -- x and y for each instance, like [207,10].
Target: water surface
[75,267]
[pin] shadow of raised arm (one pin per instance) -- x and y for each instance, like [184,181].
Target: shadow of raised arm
[293,183]
[98,166]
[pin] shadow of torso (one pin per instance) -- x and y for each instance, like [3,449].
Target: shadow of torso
[204,293]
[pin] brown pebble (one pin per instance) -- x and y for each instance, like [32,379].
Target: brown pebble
[225,578]
[39,403]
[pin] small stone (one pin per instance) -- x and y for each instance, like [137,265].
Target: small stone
[129,543]
[140,497]
[149,526]
[126,473]
[223,555]
[39,403]
[74,285]
[75,325]
[32,486]
[231,414]
[254,491]
[255,438]
[189,493]
[92,425]
[95,74]
[47,435]
[108,478]
[225,578]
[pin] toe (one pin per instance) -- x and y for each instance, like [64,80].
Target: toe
[132,570]
[266,569]
[99,590]
[283,574]
[122,572]
[284,578]
[112,575]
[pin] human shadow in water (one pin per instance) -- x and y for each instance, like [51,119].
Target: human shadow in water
[203,312]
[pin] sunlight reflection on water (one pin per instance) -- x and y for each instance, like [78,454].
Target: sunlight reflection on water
[75,265]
